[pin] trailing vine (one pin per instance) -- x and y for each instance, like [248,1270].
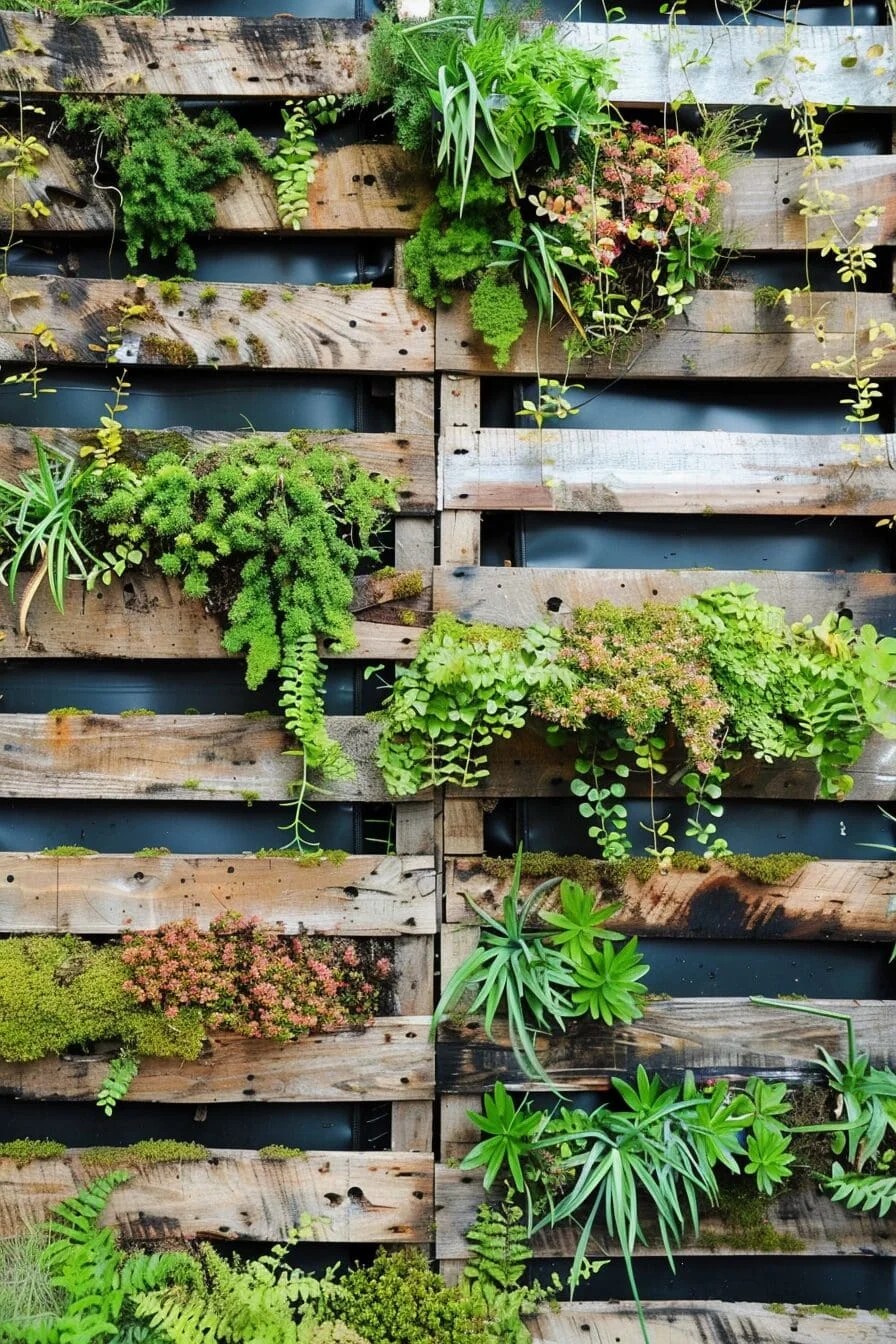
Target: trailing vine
[294,162]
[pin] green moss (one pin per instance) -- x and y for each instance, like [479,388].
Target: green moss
[190,784]
[137,714]
[168,350]
[770,868]
[67,852]
[148,1152]
[882,1312]
[151,852]
[169,291]
[778,1308]
[498,313]
[24,1151]
[308,860]
[825,1309]
[68,712]
[745,1213]
[228,342]
[547,864]
[766,296]
[347,290]
[208,294]
[278,1152]
[258,714]
[259,354]
[63,296]
[408,617]
[250,796]
[253,299]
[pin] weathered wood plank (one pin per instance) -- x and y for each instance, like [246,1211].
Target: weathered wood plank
[380,189]
[675,471]
[147,616]
[828,898]
[286,57]
[408,459]
[389,1060]
[201,757]
[322,327]
[380,896]
[718,1038]
[722,334]
[708,1322]
[525,766]
[515,596]
[237,1195]
[823,1228]
[373,190]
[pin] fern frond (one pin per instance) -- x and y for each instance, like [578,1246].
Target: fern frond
[865,1191]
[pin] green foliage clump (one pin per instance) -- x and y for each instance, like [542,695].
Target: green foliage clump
[67,852]
[147,1152]
[448,249]
[769,869]
[498,313]
[27,1297]
[73,10]
[24,1151]
[166,161]
[151,852]
[280,1152]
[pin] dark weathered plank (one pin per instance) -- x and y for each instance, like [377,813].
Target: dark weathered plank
[147,616]
[675,471]
[834,899]
[224,757]
[333,328]
[288,57]
[407,459]
[722,334]
[374,190]
[823,1228]
[389,1060]
[719,1038]
[708,1322]
[363,896]
[515,596]
[237,1195]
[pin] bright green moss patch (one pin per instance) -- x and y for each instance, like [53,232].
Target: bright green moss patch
[169,291]
[68,712]
[253,299]
[170,351]
[313,859]
[137,714]
[151,852]
[768,869]
[745,1213]
[147,1152]
[23,1151]
[279,1152]
[67,852]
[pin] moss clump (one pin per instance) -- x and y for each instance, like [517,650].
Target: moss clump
[279,1152]
[408,585]
[137,714]
[825,1309]
[259,354]
[253,299]
[63,296]
[250,796]
[498,313]
[228,342]
[313,859]
[546,864]
[770,868]
[408,617]
[148,1152]
[168,350]
[208,294]
[24,1151]
[169,291]
[151,852]
[190,784]
[68,712]
[766,296]
[258,714]
[67,852]
[744,1211]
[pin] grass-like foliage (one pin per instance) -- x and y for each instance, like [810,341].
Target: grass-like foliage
[72,10]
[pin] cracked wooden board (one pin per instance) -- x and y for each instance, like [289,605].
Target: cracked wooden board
[709,1322]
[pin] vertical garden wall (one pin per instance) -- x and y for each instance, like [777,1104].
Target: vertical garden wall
[143,782]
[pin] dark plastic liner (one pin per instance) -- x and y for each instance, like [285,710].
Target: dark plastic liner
[701,12]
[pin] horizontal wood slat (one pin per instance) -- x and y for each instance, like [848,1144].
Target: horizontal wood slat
[515,596]
[147,616]
[722,334]
[390,1060]
[284,57]
[823,1227]
[826,899]
[219,756]
[381,190]
[674,471]
[381,896]
[237,1195]
[328,328]
[708,1322]
[408,459]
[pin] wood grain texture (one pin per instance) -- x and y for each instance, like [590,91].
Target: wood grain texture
[515,596]
[181,757]
[823,1228]
[390,1060]
[675,471]
[284,57]
[716,1038]
[297,327]
[408,459]
[236,1195]
[370,190]
[706,1322]
[147,616]
[364,896]
[722,334]
[827,899]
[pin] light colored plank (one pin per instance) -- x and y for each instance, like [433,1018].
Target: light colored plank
[722,334]
[514,596]
[411,1127]
[461,402]
[462,831]
[708,1322]
[460,533]
[717,1038]
[380,896]
[318,327]
[286,57]
[147,616]
[390,1060]
[831,899]
[237,1195]
[414,828]
[675,471]
[415,405]
[414,962]
[823,1227]
[407,458]
[224,756]
[358,189]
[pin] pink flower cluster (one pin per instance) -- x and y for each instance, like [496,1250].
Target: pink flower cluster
[249,979]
